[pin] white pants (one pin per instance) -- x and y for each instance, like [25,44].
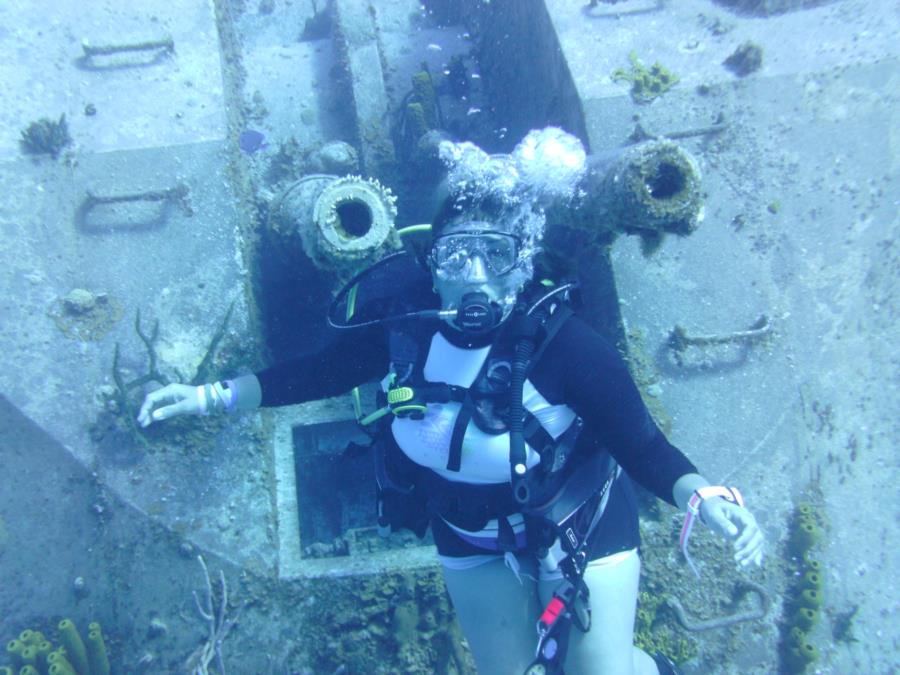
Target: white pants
[498,614]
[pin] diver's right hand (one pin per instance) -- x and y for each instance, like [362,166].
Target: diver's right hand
[175,399]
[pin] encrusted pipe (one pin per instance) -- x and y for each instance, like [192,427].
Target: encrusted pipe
[342,224]
[650,188]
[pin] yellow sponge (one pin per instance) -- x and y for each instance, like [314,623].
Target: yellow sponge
[75,650]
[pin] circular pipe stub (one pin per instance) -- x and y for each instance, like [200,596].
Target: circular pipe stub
[352,224]
[657,188]
[291,212]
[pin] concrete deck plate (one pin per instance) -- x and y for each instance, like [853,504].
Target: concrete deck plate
[181,268]
[692,38]
[174,100]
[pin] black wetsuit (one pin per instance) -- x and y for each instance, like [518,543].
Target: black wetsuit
[578,368]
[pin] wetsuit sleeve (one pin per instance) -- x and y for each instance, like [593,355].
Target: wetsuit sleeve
[597,385]
[349,359]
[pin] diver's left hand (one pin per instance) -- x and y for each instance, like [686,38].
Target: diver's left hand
[736,523]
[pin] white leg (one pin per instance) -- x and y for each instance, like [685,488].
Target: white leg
[497,615]
[608,648]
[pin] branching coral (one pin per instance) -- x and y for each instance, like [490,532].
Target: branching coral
[214,611]
[204,370]
[46,137]
[153,374]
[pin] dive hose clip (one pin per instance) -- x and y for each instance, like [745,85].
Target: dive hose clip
[553,628]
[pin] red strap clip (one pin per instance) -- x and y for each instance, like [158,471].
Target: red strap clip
[551,612]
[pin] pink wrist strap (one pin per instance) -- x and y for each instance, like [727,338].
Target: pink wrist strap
[693,511]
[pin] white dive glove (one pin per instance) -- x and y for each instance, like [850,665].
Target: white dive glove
[242,393]
[734,521]
[723,511]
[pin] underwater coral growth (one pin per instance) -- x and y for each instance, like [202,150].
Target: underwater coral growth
[745,59]
[214,612]
[653,631]
[646,83]
[32,653]
[418,113]
[84,315]
[286,163]
[46,137]
[805,596]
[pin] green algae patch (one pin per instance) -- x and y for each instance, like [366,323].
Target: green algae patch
[646,83]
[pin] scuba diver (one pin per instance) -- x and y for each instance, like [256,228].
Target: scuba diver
[509,427]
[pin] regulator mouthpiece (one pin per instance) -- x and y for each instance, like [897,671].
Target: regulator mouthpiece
[477,314]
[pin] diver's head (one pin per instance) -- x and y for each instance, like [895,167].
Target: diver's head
[478,264]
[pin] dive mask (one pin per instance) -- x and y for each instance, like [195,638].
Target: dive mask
[478,274]
[451,254]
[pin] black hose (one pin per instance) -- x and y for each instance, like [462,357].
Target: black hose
[517,456]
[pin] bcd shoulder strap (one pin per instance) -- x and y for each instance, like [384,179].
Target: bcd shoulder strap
[534,435]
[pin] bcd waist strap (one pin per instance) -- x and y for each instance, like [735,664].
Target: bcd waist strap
[466,505]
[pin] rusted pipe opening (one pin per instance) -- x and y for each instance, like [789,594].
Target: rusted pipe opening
[666,182]
[354,218]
